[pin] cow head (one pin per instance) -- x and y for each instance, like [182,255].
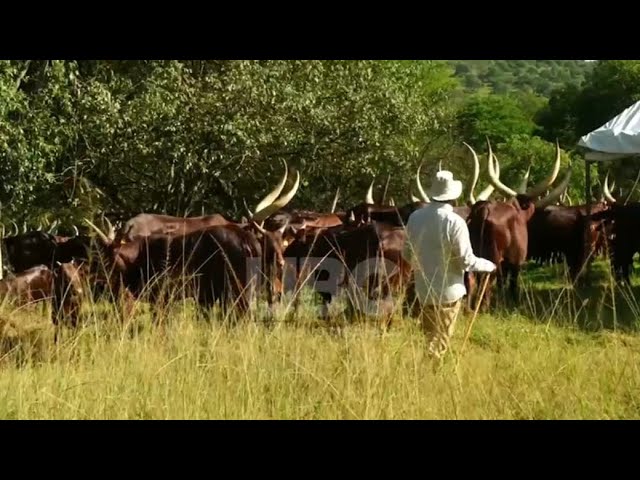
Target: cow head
[273,246]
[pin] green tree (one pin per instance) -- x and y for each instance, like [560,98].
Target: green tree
[182,137]
[494,116]
[612,86]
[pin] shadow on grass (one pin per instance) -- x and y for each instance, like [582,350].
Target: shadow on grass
[596,303]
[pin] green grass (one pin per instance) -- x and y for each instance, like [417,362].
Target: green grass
[516,366]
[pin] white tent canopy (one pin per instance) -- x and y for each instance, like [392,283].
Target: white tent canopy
[618,138]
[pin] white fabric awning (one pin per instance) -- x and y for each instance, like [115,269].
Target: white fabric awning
[618,138]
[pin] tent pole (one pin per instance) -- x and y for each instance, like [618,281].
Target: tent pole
[587,195]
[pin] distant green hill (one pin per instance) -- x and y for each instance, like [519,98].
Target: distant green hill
[502,76]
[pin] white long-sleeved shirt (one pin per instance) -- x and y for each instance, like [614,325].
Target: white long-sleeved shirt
[439,247]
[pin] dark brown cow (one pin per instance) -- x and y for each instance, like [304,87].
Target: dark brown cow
[27,250]
[349,247]
[624,224]
[499,230]
[557,233]
[213,264]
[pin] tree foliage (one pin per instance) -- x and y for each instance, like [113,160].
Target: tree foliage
[508,76]
[612,86]
[182,137]
[78,138]
[496,117]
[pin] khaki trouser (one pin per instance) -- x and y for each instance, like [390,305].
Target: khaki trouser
[438,323]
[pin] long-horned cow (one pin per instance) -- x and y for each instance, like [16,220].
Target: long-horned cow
[499,230]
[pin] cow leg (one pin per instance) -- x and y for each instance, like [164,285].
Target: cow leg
[159,303]
[128,304]
[324,309]
[470,287]
[514,291]
[621,266]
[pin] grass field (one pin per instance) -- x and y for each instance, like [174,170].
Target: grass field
[559,354]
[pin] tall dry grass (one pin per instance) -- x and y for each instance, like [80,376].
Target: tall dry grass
[515,366]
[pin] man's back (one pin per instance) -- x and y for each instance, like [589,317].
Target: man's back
[429,233]
[438,245]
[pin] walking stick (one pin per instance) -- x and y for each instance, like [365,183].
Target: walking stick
[485,283]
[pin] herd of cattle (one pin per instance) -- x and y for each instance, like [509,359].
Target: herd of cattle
[209,256]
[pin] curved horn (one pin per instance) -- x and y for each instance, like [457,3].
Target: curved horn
[75,231]
[112,232]
[271,196]
[525,180]
[369,196]
[279,203]
[392,203]
[424,196]
[335,200]
[16,229]
[541,187]
[606,191]
[476,174]
[484,195]
[556,192]
[100,233]
[249,213]
[54,225]
[415,199]
[493,177]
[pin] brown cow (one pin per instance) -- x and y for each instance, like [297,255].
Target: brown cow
[353,250]
[214,264]
[499,231]
[557,232]
[623,223]
[31,285]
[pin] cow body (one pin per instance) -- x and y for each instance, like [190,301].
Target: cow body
[352,247]
[499,232]
[31,285]
[557,233]
[623,221]
[28,250]
[212,264]
[147,224]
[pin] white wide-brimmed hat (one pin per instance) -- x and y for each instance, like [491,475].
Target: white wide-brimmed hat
[444,188]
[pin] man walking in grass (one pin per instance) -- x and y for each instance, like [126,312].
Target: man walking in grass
[439,247]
